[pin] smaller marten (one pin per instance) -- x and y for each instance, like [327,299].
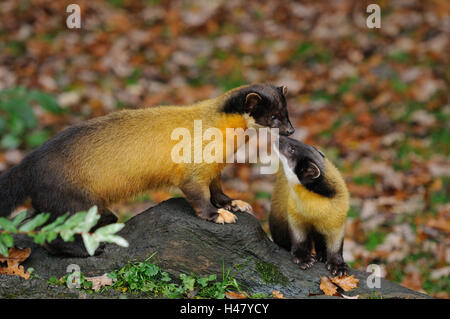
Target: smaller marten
[309,206]
[117,156]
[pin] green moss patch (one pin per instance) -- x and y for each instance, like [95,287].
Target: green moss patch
[270,273]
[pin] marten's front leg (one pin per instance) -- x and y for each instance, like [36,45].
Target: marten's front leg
[220,199]
[335,261]
[301,246]
[199,197]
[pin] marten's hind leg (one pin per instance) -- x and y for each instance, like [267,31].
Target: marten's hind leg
[106,217]
[220,199]
[199,197]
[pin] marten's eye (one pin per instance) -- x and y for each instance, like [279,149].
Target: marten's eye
[291,149]
[273,117]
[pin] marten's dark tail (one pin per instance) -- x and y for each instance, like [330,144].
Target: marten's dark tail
[13,190]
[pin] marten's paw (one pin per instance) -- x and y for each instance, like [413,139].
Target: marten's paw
[338,269]
[305,263]
[225,217]
[239,205]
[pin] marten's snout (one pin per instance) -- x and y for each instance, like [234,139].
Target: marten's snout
[306,161]
[286,128]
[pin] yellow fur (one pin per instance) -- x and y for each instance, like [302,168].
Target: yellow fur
[128,152]
[301,208]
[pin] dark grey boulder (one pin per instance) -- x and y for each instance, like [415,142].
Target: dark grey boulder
[186,243]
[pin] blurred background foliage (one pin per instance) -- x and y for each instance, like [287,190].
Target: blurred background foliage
[18,122]
[375,100]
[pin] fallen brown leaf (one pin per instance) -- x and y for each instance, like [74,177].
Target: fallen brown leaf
[236,295]
[15,257]
[347,283]
[278,295]
[99,281]
[327,286]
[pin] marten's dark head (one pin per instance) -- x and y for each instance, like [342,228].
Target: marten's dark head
[263,104]
[306,165]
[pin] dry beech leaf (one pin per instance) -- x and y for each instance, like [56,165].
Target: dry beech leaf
[99,281]
[15,257]
[347,283]
[236,295]
[327,286]
[278,295]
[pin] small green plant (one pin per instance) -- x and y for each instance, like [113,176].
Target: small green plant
[18,123]
[80,280]
[148,277]
[375,295]
[32,272]
[54,281]
[79,223]
[210,288]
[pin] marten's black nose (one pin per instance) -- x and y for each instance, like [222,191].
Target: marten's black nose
[290,131]
[287,129]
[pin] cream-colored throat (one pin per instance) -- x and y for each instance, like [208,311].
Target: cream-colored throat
[250,121]
[291,177]
[288,172]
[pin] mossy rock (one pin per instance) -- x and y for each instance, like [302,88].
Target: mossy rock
[185,243]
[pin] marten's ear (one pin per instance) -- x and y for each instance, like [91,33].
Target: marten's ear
[312,171]
[251,100]
[307,172]
[283,89]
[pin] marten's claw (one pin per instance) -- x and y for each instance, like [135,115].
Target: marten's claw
[239,205]
[339,270]
[306,263]
[225,217]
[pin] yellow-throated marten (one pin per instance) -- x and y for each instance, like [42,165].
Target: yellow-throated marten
[114,157]
[309,205]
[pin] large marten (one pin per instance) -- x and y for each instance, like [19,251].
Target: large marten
[117,156]
[309,206]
